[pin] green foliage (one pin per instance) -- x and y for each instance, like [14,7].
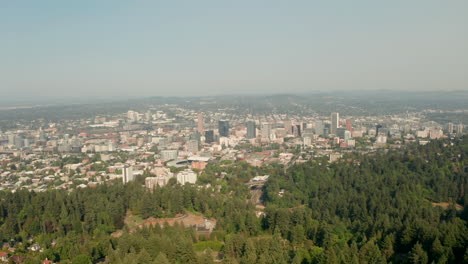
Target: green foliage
[381,204]
[203,245]
[82,259]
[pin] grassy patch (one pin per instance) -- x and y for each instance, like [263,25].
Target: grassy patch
[213,245]
[133,220]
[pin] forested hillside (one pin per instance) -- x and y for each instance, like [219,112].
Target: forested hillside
[379,208]
[404,206]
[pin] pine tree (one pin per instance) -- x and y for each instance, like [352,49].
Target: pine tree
[417,255]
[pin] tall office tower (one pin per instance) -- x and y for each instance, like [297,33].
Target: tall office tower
[319,128]
[349,125]
[335,122]
[266,131]
[251,130]
[340,132]
[127,174]
[297,131]
[223,128]
[450,128]
[209,136]
[377,128]
[201,120]
[460,129]
[326,130]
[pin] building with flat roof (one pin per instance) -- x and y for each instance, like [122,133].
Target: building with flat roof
[209,136]
[251,130]
[127,174]
[169,154]
[223,128]
[200,120]
[335,122]
[187,176]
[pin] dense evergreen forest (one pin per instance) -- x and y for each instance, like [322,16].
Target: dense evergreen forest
[379,208]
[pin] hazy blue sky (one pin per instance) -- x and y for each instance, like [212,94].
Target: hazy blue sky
[141,48]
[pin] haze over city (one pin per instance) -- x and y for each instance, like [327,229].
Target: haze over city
[83,49]
[236,132]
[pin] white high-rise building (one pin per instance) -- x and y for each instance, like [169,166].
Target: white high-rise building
[450,128]
[266,131]
[460,129]
[127,174]
[335,122]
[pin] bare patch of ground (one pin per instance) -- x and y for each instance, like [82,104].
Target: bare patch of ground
[446,205]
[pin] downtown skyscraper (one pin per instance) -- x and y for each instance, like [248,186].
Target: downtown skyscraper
[223,128]
[251,130]
[200,120]
[335,122]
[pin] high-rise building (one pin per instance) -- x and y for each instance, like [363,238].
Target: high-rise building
[377,128]
[335,122]
[26,142]
[209,136]
[349,125]
[266,131]
[251,130]
[201,120]
[347,135]
[340,132]
[127,174]
[460,129]
[450,128]
[192,146]
[319,128]
[297,131]
[326,130]
[223,128]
